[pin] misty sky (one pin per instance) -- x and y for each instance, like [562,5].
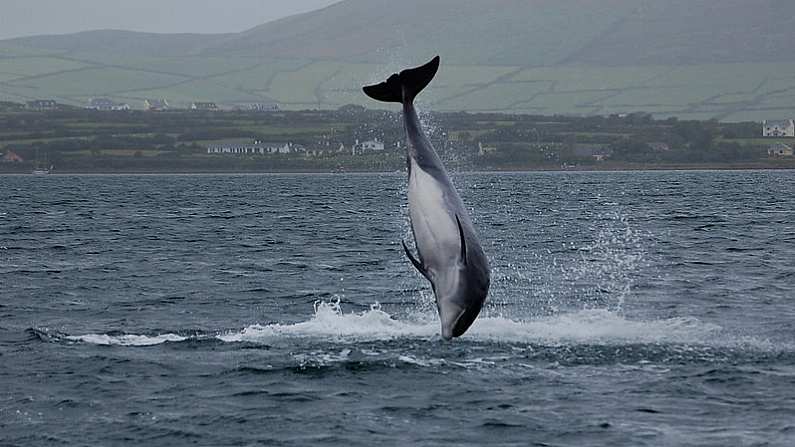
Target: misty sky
[31,17]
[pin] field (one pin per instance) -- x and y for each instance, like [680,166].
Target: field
[79,140]
[729,92]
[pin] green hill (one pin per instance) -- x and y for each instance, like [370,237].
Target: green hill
[725,59]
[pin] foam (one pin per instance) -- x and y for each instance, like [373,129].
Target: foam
[126,340]
[330,322]
[585,327]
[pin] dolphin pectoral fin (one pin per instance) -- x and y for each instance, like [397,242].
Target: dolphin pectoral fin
[417,264]
[463,240]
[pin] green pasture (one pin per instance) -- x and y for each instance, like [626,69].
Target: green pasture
[493,97]
[301,86]
[186,66]
[727,91]
[185,93]
[8,76]
[759,141]
[9,50]
[562,103]
[98,82]
[578,78]
[21,67]
[732,98]
[786,100]
[258,77]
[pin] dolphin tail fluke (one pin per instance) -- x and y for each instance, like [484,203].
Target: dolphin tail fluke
[404,86]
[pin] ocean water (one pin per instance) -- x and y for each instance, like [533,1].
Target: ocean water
[637,308]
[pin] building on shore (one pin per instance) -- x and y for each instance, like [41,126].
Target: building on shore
[484,149]
[258,107]
[105,104]
[780,150]
[42,105]
[594,152]
[11,157]
[155,105]
[253,148]
[657,146]
[363,147]
[781,128]
[204,106]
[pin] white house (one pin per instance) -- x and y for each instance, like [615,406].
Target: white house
[43,104]
[780,150]
[368,146]
[484,149]
[259,107]
[106,104]
[785,128]
[211,106]
[255,148]
[155,104]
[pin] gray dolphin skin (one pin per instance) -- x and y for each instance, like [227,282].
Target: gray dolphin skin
[450,256]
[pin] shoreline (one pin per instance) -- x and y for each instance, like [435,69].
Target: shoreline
[618,167]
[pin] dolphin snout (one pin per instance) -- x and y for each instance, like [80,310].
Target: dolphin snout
[455,324]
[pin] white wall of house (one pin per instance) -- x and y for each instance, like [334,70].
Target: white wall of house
[249,149]
[784,128]
[367,146]
[780,150]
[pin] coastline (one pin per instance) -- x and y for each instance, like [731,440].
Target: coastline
[603,167]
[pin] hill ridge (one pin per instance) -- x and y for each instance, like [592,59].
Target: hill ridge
[699,58]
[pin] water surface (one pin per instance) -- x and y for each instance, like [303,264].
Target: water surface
[626,309]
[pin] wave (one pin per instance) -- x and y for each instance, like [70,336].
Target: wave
[586,327]
[583,327]
[125,340]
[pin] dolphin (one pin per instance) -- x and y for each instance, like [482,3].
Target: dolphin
[450,255]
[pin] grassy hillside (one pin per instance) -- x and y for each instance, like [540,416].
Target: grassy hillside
[725,59]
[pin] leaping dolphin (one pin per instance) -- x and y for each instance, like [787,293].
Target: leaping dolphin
[450,256]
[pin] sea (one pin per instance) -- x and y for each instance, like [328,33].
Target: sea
[626,309]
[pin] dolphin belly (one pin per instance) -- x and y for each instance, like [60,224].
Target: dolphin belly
[432,222]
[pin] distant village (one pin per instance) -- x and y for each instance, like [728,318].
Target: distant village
[152,105]
[233,148]
[156,135]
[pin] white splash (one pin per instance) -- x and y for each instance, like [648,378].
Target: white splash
[330,322]
[583,327]
[126,340]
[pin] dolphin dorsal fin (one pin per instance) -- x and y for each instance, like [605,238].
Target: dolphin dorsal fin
[463,240]
[417,264]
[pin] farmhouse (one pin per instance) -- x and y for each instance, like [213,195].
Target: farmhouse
[484,149]
[785,128]
[259,107]
[42,104]
[11,157]
[597,153]
[657,146]
[254,148]
[368,146]
[780,150]
[106,104]
[204,106]
[154,105]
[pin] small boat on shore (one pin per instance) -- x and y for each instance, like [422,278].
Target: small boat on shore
[42,171]
[39,168]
